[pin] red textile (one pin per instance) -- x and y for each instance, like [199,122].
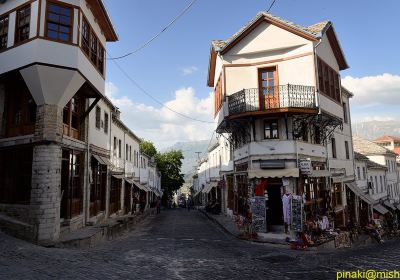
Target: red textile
[260,188]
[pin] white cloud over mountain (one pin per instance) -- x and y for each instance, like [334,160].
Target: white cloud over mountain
[374,90]
[162,126]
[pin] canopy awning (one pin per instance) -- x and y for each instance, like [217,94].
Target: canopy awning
[389,205]
[273,173]
[380,209]
[102,160]
[140,186]
[130,181]
[209,186]
[320,173]
[358,192]
[118,176]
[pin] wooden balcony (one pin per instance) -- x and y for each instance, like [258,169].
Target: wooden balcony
[278,99]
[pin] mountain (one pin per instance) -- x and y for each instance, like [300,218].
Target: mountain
[189,150]
[373,129]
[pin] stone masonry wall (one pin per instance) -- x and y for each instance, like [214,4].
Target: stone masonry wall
[46,191]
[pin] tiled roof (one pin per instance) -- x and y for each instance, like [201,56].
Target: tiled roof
[314,30]
[387,138]
[360,157]
[366,147]
[397,150]
[374,165]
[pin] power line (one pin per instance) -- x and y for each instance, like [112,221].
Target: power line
[157,35]
[270,7]
[136,84]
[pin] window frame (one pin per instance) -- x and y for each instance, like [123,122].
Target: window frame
[70,26]
[98,117]
[328,81]
[333,147]
[271,130]
[106,120]
[4,30]
[347,149]
[17,38]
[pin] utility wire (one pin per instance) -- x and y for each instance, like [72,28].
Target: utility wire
[137,85]
[270,7]
[157,35]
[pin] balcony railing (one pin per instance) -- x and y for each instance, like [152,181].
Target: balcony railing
[277,97]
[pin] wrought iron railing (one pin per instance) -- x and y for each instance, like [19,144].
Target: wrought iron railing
[282,96]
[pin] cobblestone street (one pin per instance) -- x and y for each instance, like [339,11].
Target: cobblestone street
[185,245]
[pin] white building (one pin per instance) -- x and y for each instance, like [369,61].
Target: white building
[385,185]
[278,97]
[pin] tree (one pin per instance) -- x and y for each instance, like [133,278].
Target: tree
[148,148]
[169,164]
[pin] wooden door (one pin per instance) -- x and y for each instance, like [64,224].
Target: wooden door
[268,88]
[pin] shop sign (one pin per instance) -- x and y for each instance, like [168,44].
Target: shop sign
[297,213]
[257,206]
[305,166]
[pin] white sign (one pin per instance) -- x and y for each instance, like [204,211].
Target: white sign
[305,166]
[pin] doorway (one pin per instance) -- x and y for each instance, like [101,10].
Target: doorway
[268,88]
[274,206]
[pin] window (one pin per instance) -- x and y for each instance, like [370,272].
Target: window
[71,117]
[3,32]
[337,194]
[371,184]
[328,80]
[22,24]
[126,152]
[93,48]
[115,146]
[271,129]
[100,61]
[364,173]
[333,148]
[345,118]
[218,96]
[85,36]
[130,153]
[98,117]
[105,122]
[59,22]
[346,146]
[119,148]
[358,173]
[381,181]
[376,183]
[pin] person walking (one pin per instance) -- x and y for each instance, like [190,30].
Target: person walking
[189,203]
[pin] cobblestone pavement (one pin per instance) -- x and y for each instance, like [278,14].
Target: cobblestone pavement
[178,244]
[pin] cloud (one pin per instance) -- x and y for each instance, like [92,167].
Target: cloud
[378,118]
[189,70]
[161,125]
[374,90]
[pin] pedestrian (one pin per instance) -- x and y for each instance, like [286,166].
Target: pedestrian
[158,205]
[189,203]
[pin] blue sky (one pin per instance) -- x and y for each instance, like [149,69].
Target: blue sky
[176,63]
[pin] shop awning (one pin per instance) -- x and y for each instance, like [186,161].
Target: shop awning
[209,186]
[380,209]
[274,173]
[118,176]
[358,192]
[140,186]
[320,173]
[102,160]
[130,181]
[389,205]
